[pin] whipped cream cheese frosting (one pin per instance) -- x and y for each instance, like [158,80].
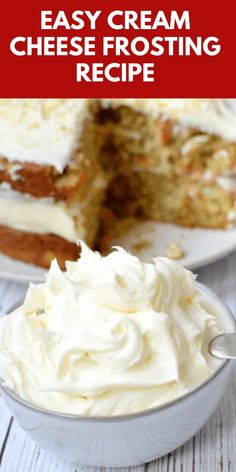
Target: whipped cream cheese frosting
[213,116]
[42,131]
[40,217]
[37,215]
[109,336]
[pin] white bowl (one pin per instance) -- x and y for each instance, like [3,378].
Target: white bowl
[127,440]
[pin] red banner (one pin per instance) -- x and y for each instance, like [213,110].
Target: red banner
[119,48]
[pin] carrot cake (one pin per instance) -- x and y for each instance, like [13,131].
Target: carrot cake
[78,169]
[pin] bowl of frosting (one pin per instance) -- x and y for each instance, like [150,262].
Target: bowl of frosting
[108,364]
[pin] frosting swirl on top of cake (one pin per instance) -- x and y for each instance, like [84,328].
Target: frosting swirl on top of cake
[42,131]
[109,336]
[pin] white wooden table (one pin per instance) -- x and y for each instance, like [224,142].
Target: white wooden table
[213,449]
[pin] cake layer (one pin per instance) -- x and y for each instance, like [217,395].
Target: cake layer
[38,249]
[127,135]
[48,131]
[210,116]
[41,131]
[43,181]
[172,199]
[135,138]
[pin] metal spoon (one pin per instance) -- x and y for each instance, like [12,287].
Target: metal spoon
[223,346]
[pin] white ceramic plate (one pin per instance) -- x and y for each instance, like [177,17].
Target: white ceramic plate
[201,246]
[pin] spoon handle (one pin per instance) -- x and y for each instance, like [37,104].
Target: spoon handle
[224,346]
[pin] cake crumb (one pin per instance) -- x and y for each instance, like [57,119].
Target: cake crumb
[175,251]
[139,246]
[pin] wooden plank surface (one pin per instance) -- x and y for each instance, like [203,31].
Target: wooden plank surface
[213,449]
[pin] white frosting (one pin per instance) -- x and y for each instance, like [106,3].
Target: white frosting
[35,215]
[214,116]
[110,336]
[42,131]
